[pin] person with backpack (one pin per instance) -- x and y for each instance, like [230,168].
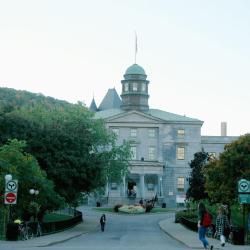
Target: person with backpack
[221,225]
[102,222]
[204,221]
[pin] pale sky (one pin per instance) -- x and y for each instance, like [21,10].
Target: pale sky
[196,53]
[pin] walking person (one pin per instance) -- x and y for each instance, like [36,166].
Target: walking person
[102,222]
[204,221]
[221,225]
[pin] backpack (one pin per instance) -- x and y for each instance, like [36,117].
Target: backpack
[207,219]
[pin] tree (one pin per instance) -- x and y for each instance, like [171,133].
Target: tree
[24,167]
[223,174]
[196,190]
[75,150]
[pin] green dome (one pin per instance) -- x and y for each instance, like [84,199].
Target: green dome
[135,69]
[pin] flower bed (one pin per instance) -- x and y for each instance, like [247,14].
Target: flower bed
[131,209]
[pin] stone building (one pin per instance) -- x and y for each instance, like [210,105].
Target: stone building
[163,143]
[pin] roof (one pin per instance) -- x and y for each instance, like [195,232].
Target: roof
[93,106]
[155,113]
[167,116]
[105,114]
[111,100]
[135,69]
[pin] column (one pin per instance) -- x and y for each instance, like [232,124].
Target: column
[160,185]
[107,190]
[124,186]
[142,186]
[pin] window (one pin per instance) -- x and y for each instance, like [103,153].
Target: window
[151,153]
[126,87]
[180,153]
[181,132]
[151,133]
[133,132]
[133,150]
[143,87]
[135,86]
[180,184]
[115,131]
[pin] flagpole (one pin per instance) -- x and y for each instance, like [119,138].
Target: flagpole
[135,46]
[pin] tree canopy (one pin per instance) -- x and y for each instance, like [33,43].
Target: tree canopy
[223,174]
[76,150]
[196,190]
[24,167]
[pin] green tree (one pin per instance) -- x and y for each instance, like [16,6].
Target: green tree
[75,150]
[222,175]
[24,167]
[196,190]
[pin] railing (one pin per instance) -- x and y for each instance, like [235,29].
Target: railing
[56,226]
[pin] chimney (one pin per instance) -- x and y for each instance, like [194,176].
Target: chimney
[223,129]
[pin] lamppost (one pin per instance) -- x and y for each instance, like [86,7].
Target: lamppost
[8,177]
[6,210]
[34,193]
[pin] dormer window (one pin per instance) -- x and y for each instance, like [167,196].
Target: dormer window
[135,87]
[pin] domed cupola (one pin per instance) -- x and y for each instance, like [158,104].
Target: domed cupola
[135,89]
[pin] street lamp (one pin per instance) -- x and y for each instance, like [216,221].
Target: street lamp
[8,177]
[34,192]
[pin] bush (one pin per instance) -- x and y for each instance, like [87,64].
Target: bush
[148,207]
[188,214]
[116,208]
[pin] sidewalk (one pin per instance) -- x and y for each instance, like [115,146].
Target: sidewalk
[87,226]
[190,238]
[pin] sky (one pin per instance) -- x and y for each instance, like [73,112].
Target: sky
[196,53]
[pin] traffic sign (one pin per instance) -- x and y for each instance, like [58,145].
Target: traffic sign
[11,186]
[243,186]
[10,198]
[244,198]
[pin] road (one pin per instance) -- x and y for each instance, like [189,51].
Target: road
[122,232]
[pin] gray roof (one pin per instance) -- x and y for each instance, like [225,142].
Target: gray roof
[108,113]
[110,101]
[155,113]
[93,106]
[167,116]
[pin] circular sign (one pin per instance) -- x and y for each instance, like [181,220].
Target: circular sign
[243,185]
[10,197]
[11,186]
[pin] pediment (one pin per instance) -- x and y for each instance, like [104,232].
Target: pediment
[134,117]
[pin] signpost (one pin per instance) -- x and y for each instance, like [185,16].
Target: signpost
[244,199]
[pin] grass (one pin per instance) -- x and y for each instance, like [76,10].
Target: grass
[56,217]
[104,209]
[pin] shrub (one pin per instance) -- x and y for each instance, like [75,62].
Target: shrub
[148,207]
[116,207]
[188,214]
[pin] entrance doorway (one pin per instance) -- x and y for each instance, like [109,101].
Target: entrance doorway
[131,188]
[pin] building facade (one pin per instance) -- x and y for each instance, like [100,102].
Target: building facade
[163,143]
